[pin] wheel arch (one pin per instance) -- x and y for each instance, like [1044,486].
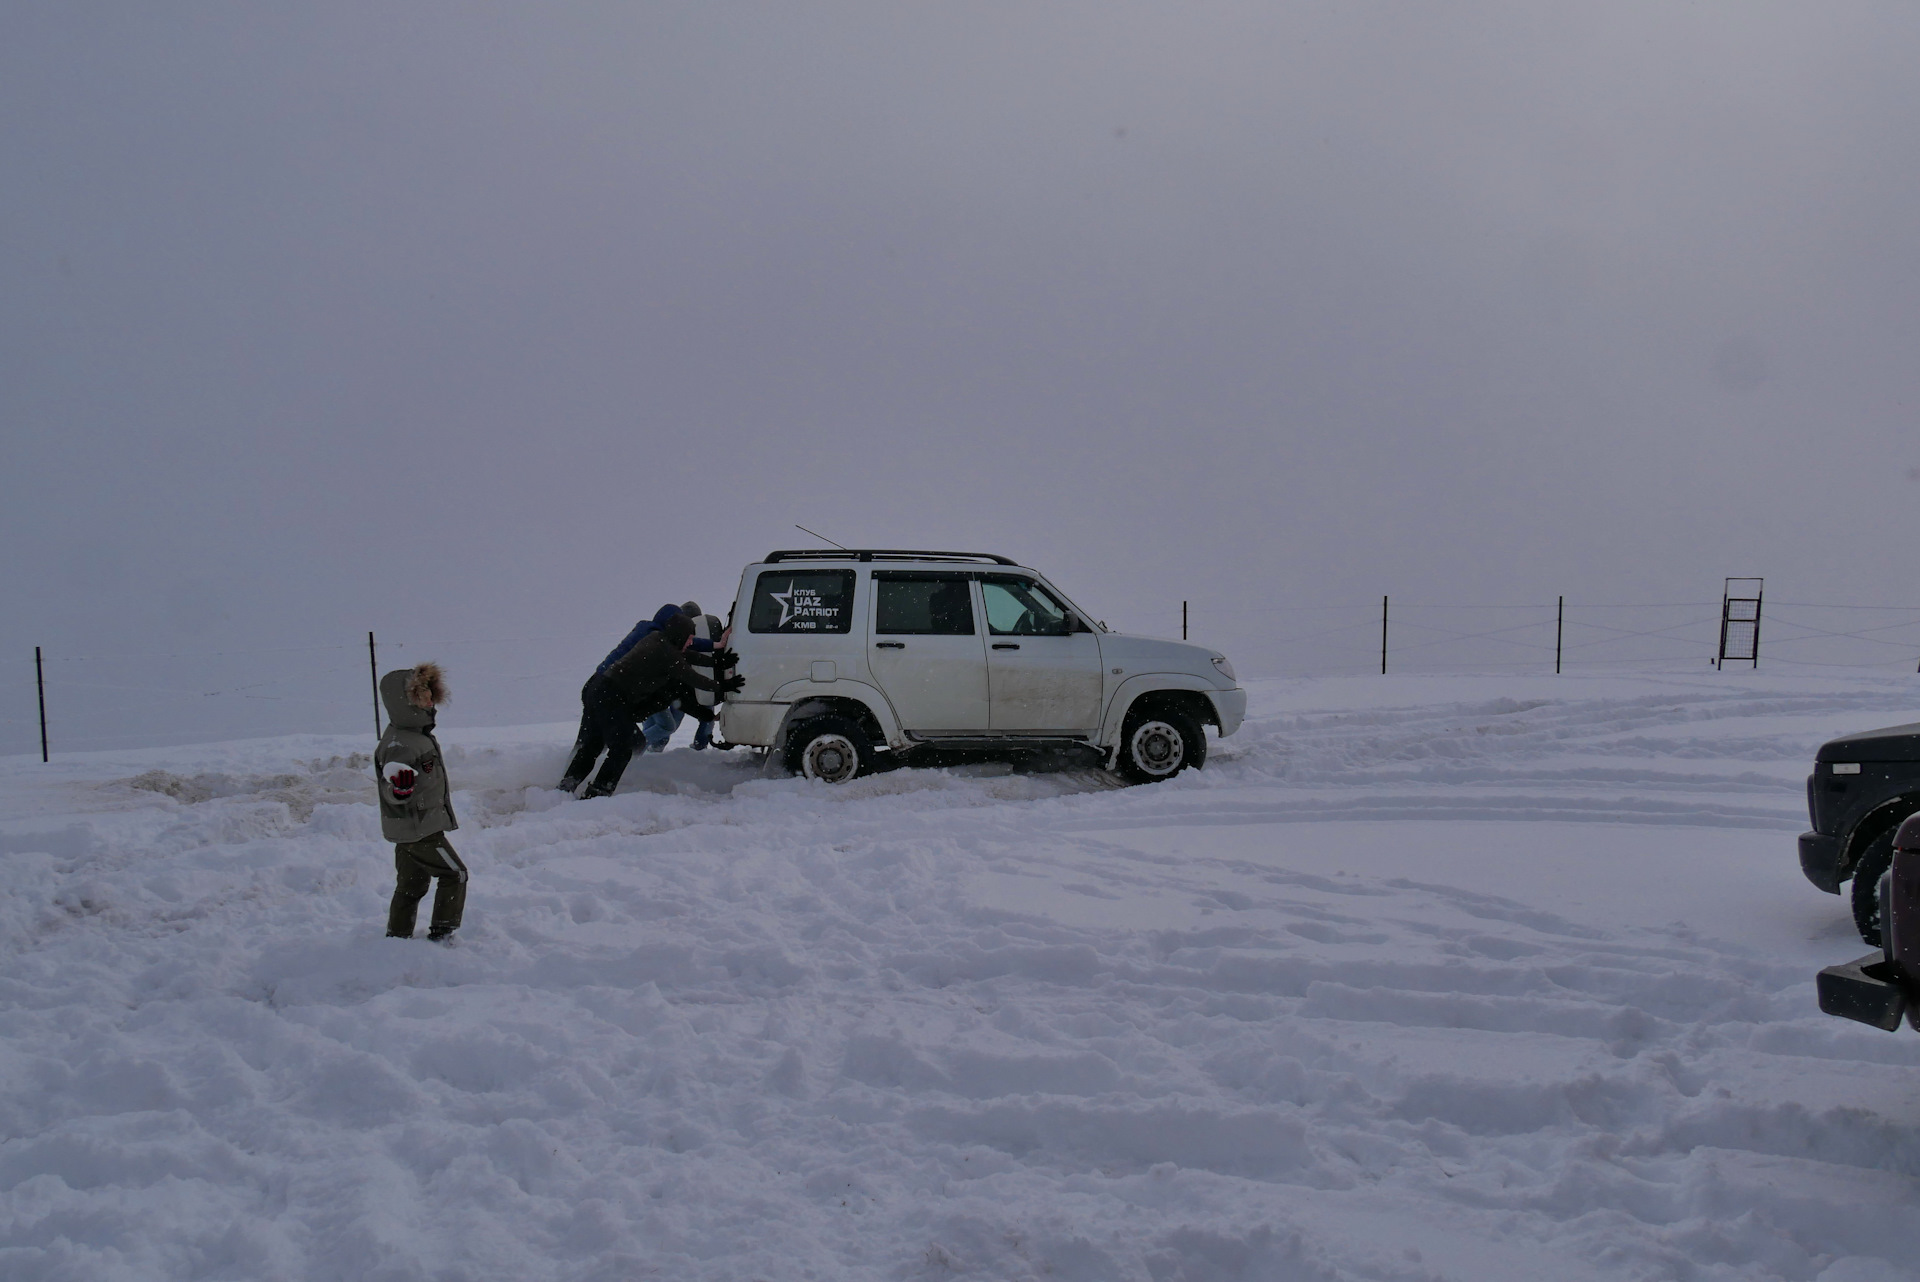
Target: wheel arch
[1162,689]
[877,724]
[1872,826]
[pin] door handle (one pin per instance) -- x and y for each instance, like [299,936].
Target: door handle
[1005,645]
[889,645]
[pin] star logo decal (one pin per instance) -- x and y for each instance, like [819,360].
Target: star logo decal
[786,604]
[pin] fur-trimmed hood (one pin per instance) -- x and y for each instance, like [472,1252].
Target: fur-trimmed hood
[404,691]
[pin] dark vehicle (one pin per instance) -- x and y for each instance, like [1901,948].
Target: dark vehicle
[1884,987]
[1862,788]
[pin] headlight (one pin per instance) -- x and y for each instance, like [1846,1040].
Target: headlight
[1226,669]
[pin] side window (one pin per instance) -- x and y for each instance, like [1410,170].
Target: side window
[802,601]
[922,604]
[1021,608]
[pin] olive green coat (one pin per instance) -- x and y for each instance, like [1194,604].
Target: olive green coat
[415,798]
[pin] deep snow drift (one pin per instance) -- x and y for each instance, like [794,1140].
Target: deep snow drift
[1475,978]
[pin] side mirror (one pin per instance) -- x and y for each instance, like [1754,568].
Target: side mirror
[1077,624]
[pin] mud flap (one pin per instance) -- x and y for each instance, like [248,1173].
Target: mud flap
[1863,990]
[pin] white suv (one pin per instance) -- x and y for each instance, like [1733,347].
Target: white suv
[850,654]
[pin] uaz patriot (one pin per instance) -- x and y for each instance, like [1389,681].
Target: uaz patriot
[859,657]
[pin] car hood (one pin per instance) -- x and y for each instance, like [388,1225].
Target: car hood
[1150,654]
[1894,743]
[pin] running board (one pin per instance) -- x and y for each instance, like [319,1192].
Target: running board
[999,742]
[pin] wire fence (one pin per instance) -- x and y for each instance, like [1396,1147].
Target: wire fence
[116,700]
[110,700]
[1538,637]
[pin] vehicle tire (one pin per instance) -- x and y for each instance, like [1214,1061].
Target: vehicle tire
[1873,864]
[830,749]
[1158,743]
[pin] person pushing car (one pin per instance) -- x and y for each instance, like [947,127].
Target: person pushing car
[649,677]
[591,692]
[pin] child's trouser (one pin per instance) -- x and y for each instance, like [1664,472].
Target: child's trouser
[415,865]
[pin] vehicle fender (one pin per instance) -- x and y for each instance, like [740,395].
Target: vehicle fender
[808,697]
[1872,825]
[1130,690]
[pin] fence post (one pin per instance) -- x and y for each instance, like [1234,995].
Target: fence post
[1383,636]
[1183,620]
[1559,630]
[40,684]
[373,667]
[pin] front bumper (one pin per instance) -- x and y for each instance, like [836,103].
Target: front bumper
[1231,707]
[1865,990]
[1820,860]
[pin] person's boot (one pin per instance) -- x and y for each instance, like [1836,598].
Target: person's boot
[569,785]
[597,789]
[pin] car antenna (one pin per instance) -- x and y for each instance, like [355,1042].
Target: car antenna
[823,538]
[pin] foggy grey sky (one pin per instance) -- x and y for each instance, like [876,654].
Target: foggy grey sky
[515,320]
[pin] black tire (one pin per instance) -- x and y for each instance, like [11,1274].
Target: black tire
[1157,743]
[1867,872]
[830,749]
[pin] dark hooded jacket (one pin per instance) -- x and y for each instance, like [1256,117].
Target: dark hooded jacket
[642,630]
[655,672]
[415,798]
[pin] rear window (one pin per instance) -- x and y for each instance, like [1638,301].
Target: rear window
[933,603]
[802,601]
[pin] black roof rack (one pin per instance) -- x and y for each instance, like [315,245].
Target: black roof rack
[879,554]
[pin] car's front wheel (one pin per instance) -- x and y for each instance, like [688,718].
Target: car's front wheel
[1158,743]
[830,749]
[1867,872]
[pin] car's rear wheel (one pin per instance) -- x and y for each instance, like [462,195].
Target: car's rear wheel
[1158,743]
[1873,864]
[830,749]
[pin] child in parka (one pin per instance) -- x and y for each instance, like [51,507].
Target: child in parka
[416,805]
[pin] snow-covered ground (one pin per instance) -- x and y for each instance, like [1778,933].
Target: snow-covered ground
[1422,977]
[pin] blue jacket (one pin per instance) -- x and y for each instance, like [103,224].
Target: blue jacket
[640,630]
